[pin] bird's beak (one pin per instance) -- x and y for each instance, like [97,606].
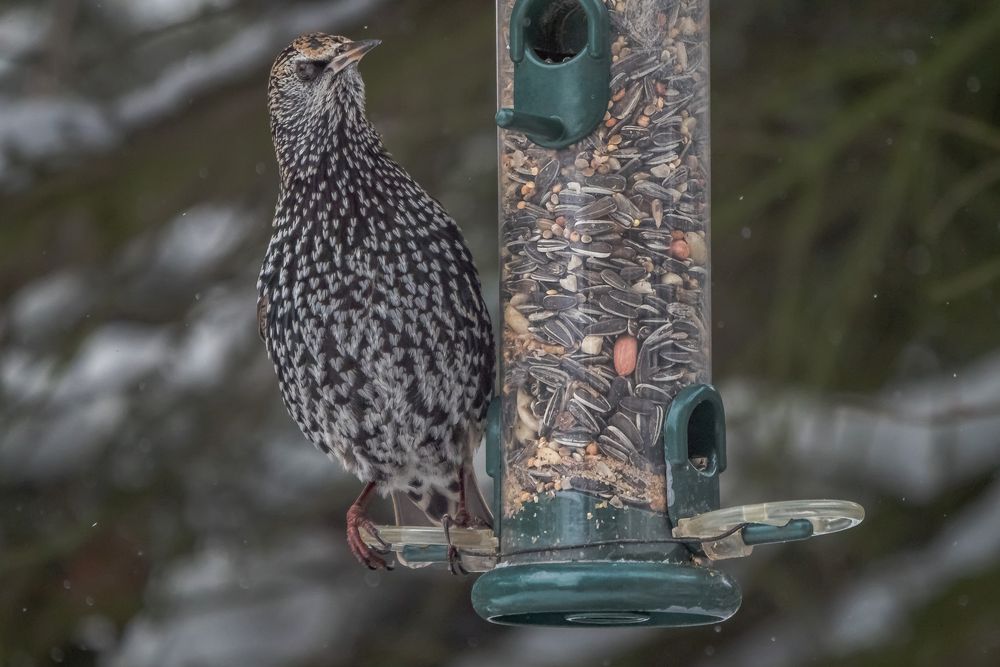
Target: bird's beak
[357,50]
[354,52]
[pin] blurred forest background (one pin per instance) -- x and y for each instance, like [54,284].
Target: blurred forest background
[157,506]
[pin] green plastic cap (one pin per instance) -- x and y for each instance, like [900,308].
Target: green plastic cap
[605,593]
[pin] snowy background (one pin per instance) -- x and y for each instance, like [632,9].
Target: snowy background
[159,509]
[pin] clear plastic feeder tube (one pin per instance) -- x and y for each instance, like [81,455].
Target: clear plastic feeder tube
[605,276]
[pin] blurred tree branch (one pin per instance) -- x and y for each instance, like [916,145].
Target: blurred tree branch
[812,156]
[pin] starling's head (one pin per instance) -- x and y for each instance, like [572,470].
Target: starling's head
[313,81]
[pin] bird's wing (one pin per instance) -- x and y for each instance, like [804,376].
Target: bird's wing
[473,307]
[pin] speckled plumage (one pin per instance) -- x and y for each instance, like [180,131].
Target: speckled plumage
[368,299]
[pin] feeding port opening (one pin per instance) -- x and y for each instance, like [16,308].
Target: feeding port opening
[556,31]
[702,436]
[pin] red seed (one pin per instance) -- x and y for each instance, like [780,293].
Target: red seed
[680,249]
[626,352]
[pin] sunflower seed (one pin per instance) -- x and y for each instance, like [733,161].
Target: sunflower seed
[586,417]
[597,209]
[593,227]
[559,301]
[559,332]
[631,299]
[547,176]
[591,399]
[616,307]
[638,405]
[574,438]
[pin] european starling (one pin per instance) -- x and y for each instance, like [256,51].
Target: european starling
[369,302]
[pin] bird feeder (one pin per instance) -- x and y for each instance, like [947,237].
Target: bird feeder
[607,441]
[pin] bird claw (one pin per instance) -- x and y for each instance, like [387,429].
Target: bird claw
[373,531]
[366,555]
[454,558]
[455,562]
[462,517]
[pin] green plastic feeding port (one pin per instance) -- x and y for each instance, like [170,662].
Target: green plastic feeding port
[561,55]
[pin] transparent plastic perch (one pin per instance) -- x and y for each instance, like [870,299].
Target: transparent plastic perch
[826,516]
[420,546]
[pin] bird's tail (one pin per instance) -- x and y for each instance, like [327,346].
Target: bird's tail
[428,508]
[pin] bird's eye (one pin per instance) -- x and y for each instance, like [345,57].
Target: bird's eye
[309,69]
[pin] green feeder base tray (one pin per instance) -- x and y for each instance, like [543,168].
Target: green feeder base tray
[609,593]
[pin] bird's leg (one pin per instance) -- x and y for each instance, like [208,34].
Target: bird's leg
[454,559]
[462,516]
[356,520]
[463,519]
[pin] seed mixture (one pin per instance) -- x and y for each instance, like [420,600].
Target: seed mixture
[604,260]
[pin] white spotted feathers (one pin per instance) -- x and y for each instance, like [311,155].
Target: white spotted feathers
[368,299]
